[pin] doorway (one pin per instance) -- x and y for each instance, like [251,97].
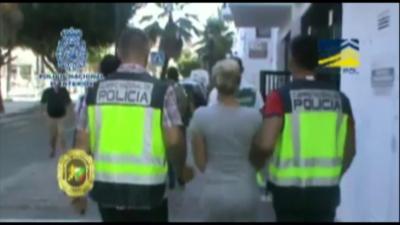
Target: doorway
[324,21]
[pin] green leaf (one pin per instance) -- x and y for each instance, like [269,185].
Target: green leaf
[192,16]
[180,6]
[215,33]
[201,42]
[163,14]
[187,25]
[184,22]
[196,31]
[146,18]
[160,5]
[185,34]
[153,31]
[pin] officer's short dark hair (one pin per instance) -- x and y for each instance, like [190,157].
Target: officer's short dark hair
[109,64]
[133,41]
[304,51]
[239,61]
[173,74]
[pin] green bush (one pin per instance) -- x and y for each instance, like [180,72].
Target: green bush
[187,62]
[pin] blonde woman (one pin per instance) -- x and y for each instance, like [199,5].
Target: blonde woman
[222,137]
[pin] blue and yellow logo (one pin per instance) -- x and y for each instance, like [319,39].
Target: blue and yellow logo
[339,53]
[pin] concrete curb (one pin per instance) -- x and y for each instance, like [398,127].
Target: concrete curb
[28,109]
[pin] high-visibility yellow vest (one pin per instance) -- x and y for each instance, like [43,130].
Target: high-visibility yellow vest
[127,143]
[310,149]
[126,140]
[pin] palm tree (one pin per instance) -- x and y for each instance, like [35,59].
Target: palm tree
[178,29]
[216,42]
[11,19]
[187,62]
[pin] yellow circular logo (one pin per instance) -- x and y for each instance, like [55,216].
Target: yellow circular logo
[75,173]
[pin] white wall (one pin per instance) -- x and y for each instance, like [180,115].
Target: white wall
[280,57]
[23,56]
[252,67]
[370,189]
[293,26]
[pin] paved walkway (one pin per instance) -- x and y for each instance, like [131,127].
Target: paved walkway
[28,185]
[15,107]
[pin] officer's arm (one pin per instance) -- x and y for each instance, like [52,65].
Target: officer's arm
[350,147]
[175,143]
[173,135]
[82,140]
[266,140]
[270,130]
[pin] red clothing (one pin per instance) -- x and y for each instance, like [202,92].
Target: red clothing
[273,105]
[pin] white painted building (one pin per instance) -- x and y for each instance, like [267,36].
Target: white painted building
[370,189]
[23,81]
[244,39]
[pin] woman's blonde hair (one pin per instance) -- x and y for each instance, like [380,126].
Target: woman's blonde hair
[227,76]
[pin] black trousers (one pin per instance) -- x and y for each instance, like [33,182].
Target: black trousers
[171,176]
[158,214]
[316,204]
[305,215]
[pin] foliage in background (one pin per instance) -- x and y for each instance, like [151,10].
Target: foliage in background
[11,19]
[187,62]
[100,24]
[95,55]
[216,42]
[178,29]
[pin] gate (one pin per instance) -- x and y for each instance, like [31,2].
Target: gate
[271,80]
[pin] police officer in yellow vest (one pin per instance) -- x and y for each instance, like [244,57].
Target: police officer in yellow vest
[308,137]
[131,126]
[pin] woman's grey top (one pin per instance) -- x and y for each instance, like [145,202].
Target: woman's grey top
[230,189]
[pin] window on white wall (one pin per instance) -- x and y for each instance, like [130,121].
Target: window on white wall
[263,32]
[258,49]
[25,71]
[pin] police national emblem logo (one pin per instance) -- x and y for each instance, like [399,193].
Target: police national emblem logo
[75,173]
[71,51]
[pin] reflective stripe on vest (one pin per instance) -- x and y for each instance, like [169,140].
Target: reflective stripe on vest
[310,149]
[127,144]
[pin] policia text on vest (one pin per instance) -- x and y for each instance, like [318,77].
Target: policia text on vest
[125,92]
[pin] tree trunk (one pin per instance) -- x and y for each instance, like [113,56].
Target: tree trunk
[1,98]
[41,64]
[1,101]
[8,82]
[164,68]
[49,64]
[6,59]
